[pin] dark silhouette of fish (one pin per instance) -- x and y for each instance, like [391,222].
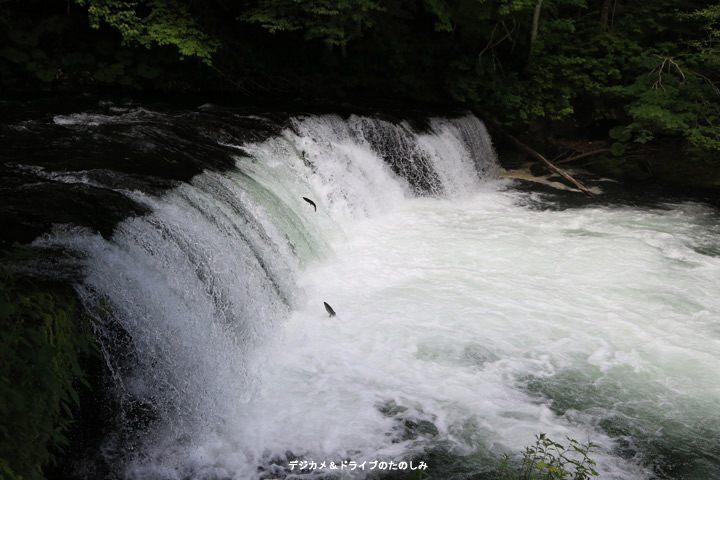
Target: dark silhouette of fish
[330,310]
[309,201]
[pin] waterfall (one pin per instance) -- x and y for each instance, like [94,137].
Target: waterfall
[470,317]
[212,271]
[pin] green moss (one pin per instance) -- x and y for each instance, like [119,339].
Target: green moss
[40,346]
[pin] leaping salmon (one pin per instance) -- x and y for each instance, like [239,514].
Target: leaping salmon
[310,202]
[330,310]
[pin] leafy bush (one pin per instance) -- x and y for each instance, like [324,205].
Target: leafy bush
[40,348]
[549,460]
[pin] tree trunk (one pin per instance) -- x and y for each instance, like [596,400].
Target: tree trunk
[605,13]
[535,24]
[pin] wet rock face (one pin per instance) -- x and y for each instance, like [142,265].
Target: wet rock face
[33,209]
[74,161]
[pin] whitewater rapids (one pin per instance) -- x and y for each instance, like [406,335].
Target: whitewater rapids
[470,316]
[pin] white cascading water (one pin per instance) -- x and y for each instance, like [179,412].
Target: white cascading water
[466,323]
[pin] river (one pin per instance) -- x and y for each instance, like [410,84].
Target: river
[473,311]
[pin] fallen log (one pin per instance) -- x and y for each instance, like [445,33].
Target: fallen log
[549,164]
[538,155]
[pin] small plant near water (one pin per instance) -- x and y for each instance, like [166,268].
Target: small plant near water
[549,460]
[41,350]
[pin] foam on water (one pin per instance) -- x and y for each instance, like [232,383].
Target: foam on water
[466,323]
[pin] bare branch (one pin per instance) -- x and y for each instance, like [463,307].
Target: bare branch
[707,80]
[670,62]
[492,44]
[489,43]
[583,155]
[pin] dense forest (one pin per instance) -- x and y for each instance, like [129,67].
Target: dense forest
[623,74]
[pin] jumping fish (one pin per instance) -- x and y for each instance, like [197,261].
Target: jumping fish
[330,310]
[312,203]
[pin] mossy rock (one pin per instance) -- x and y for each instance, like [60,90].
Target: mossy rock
[40,343]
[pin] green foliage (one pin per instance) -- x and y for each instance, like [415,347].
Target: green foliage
[153,22]
[40,347]
[444,14]
[549,460]
[22,49]
[333,22]
[652,74]
[419,474]
[45,47]
[636,73]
